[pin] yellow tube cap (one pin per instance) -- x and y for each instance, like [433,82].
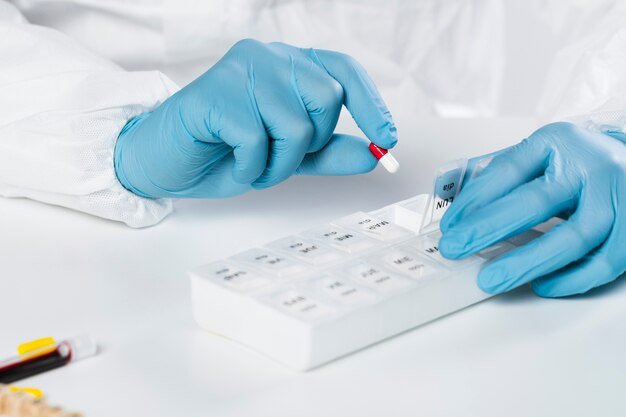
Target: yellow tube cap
[34,345]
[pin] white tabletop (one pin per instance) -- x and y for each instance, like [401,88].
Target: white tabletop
[63,273]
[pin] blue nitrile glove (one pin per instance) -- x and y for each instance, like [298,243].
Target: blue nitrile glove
[263,113]
[560,169]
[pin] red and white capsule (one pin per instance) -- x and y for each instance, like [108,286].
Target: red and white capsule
[385,158]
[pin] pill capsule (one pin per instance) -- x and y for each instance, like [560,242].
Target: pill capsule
[385,158]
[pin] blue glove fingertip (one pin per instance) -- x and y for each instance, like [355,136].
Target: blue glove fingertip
[452,245]
[387,135]
[492,279]
[543,289]
[392,136]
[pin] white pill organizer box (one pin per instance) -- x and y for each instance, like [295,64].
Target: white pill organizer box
[308,299]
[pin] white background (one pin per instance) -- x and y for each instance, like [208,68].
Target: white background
[64,273]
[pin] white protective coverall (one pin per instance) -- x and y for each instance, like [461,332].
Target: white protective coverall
[72,72]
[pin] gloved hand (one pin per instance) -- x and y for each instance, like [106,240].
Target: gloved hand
[263,113]
[560,169]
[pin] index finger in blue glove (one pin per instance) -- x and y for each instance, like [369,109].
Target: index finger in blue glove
[508,170]
[523,208]
[361,97]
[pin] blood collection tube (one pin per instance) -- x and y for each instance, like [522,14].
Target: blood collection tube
[46,358]
[385,158]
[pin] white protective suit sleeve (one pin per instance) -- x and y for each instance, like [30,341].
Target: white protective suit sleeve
[61,110]
[587,79]
[586,83]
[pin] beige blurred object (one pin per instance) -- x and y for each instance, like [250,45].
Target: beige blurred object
[20,404]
